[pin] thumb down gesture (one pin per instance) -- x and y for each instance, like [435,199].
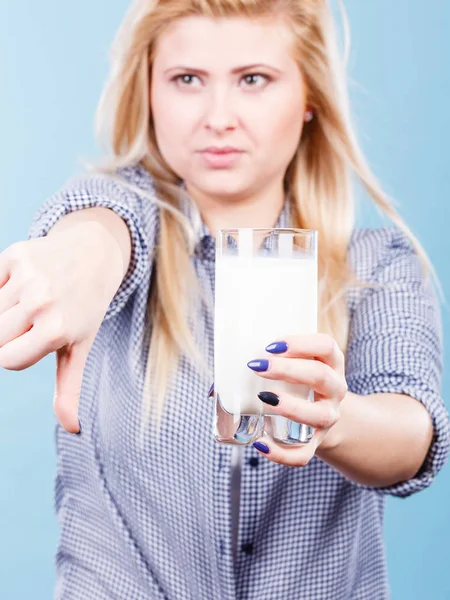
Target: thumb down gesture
[54,293]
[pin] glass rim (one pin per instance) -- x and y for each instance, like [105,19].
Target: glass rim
[268,229]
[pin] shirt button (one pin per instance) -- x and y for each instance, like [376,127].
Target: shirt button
[247,548]
[253,461]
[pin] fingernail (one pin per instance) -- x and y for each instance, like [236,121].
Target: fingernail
[211,390]
[81,429]
[277,347]
[262,447]
[259,365]
[269,398]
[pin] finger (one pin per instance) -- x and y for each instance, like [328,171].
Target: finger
[8,297]
[291,456]
[5,266]
[321,414]
[24,351]
[70,363]
[13,323]
[317,375]
[319,346]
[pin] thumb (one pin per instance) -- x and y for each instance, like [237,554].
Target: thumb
[70,363]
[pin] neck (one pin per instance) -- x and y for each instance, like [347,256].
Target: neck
[257,210]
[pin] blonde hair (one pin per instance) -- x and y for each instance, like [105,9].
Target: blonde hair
[318,179]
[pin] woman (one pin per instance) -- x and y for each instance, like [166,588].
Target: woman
[144,511]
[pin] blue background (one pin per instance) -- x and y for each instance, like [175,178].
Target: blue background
[53,63]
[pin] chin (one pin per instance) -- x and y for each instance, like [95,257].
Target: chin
[222,185]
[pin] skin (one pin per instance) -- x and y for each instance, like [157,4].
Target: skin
[374,440]
[221,108]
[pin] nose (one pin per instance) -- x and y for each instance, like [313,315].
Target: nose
[220,114]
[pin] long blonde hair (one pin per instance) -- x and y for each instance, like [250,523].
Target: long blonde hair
[318,178]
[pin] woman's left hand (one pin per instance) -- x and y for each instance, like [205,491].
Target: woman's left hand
[313,360]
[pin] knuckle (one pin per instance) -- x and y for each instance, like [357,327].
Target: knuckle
[329,345]
[37,297]
[21,264]
[324,376]
[326,419]
[14,253]
[55,330]
[42,293]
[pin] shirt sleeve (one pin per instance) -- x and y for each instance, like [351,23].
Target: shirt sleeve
[395,346]
[105,192]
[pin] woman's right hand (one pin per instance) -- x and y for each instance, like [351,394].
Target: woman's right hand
[54,293]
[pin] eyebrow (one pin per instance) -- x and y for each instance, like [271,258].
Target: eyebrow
[235,71]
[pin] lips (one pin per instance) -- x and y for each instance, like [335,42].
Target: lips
[220,158]
[225,150]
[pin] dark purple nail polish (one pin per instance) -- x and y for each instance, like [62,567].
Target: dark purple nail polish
[269,398]
[211,390]
[258,365]
[277,347]
[261,447]
[81,429]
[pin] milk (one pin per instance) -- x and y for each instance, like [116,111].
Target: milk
[259,300]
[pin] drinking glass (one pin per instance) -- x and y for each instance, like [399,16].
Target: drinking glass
[265,290]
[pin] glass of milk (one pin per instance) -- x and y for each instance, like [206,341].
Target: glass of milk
[266,290]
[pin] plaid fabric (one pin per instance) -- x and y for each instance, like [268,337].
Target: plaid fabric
[157,523]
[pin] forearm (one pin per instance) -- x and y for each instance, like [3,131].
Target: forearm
[110,225]
[380,439]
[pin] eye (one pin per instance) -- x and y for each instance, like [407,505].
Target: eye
[184,79]
[253,76]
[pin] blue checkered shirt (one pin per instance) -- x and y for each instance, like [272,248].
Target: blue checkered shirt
[157,523]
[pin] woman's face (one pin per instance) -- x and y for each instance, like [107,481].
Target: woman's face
[228,82]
